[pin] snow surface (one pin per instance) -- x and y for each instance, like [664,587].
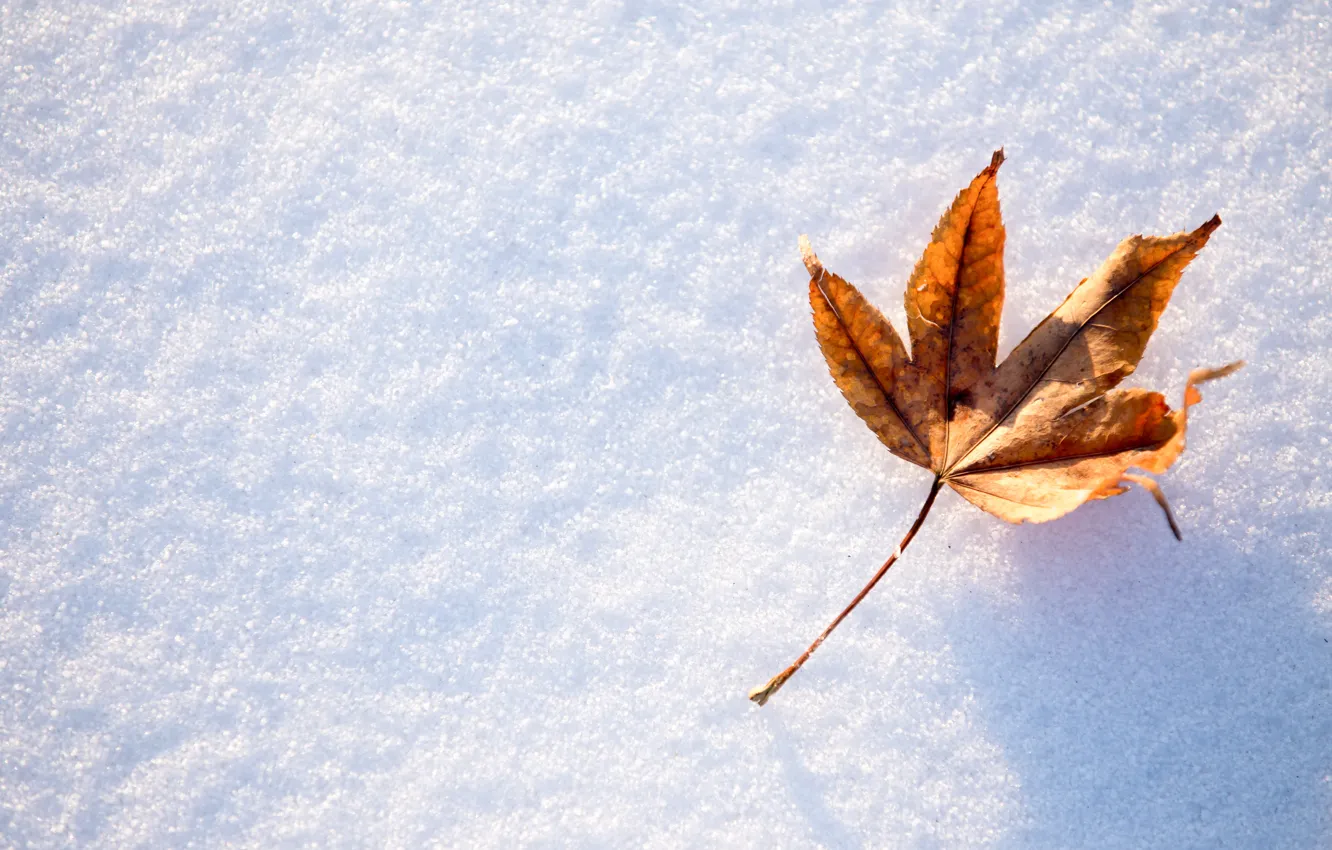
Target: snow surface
[413,433]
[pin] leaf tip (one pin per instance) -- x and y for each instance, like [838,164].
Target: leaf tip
[1199,376]
[997,160]
[811,259]
[1209,226]
[1150,485]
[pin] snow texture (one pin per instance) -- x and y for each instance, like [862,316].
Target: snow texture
[413,433]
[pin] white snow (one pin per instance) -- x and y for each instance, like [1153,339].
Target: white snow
[414,436]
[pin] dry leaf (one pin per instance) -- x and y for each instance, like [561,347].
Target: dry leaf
[1044,431]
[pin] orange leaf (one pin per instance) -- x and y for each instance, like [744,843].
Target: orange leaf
[1044,431]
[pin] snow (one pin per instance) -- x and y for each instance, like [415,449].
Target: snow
[413,434]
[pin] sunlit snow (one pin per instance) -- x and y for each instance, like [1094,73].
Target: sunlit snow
[414,435]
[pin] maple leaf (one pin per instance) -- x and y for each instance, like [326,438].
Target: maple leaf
[1036,436]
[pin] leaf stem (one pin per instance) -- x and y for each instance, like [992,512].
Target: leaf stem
[761,695]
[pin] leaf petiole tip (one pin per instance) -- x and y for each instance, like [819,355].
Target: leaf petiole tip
[762,693]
